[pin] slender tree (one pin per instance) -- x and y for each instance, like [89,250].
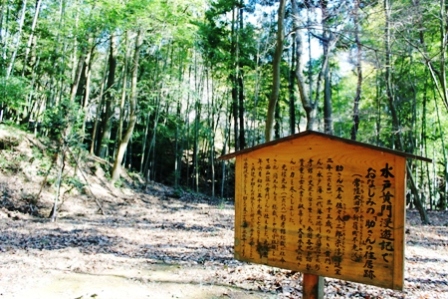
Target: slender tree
[275,92]
[124,140]
[358,65]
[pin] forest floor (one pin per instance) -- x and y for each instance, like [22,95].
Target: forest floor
[150,244]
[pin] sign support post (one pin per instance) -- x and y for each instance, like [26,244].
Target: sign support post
[312,286]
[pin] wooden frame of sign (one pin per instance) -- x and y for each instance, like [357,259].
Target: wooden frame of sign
[324,206]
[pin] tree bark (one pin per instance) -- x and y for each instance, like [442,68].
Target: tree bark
[326,41]
[355,127]
[275,92]
[234,79]
[124,141]
[95,133]
[291,90]
[17,38]
[242,138]
[103,146]
[31,37]
[86,96]
[308,105]
[78,75]
[123,90]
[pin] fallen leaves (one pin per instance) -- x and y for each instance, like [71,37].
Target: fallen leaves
[192,236]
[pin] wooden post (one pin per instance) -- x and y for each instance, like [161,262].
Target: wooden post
[313,286]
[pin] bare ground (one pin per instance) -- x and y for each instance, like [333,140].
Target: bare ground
[152,246]
[149,244]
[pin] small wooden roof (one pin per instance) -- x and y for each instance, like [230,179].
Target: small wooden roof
[331,137]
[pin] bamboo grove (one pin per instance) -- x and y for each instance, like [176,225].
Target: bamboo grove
[164,87]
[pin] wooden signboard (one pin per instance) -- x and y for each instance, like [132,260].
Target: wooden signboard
[322,205]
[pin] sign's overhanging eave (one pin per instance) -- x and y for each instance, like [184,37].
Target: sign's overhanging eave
[305,133]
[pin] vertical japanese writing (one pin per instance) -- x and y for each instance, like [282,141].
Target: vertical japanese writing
[263,248]
[300,212]
[331,215]
[283,210]
[370,223]
[245,199]
[252,209]
[261,180]
[309,241]
[386,232]
[274,208]
[319,213]
[267,200]
[301,190]
[340,232]
[328,213]
[292,193]
[358,218]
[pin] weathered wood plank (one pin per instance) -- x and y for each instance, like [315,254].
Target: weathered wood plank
[323,207]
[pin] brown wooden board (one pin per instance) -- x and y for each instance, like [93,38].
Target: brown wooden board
[322,206]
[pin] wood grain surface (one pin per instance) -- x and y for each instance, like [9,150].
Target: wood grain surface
[324,207]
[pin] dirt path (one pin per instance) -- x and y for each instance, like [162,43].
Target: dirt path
[147,247]
[125,281]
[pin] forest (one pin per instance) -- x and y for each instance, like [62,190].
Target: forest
[115,116]
[164,88]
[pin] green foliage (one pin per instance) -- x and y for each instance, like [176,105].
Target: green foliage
[119,183]
[192,55]
[13,92]
[74,182]
[63,121]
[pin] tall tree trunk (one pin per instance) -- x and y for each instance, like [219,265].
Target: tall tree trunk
[444,163]
[3,32]
[123,144]
[225,137]
[305,97]
[358,63]
[275,92]
[234,79]
[60,159]
[277,122]
[326,40]
[78,75]
[103,141]
[86,96]
[443,48]
[196,145]
[235,110]
[424,138]
[178,153]
[99,108]
[55,89]
[146,151]
[387,74]
[291,90]
[17,40]
[149,166]
[123,90]
[328,117]
[212,119]
[242,133]
[31,37]
[242,138]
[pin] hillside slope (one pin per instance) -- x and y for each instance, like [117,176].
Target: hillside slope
[29,179]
